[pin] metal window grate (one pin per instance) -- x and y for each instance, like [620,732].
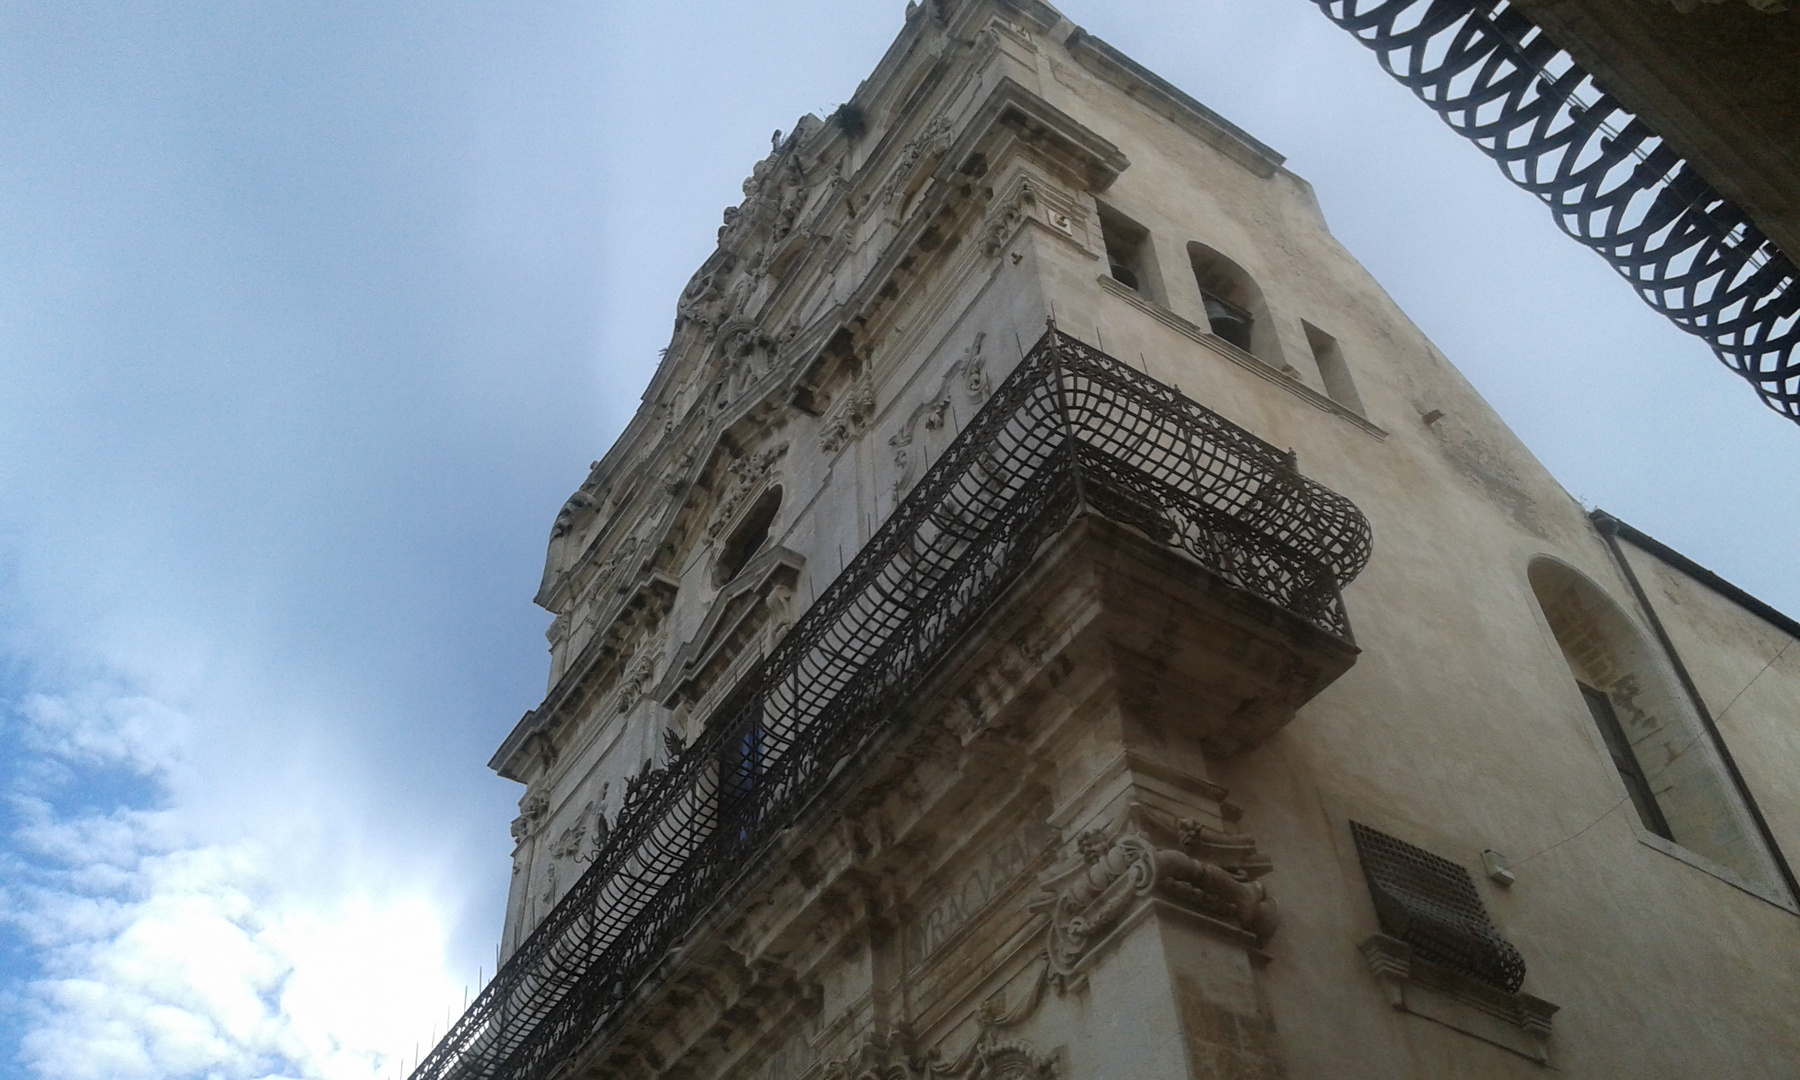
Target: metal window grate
[1431,904]
[1071,431]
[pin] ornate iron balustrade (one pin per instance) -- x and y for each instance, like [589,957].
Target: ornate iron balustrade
[1611,182]
[1071,432]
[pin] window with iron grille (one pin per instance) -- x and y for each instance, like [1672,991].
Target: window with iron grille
[1431,904]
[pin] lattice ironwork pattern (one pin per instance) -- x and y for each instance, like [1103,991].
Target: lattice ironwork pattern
[1070,431]
[1610,181]
[1431,904]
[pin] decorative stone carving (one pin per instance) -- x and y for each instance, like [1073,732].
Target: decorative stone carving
[573,519]
[974,371]
[614,572]
[1011,1059]
[931,143]
[532,810]
[641,675]
[580,505]
[745,474]
[1211,872]
[876,1057]
[1006,218]
[849,417]
[969,370]
[702,303]
[780,602]
[568,843]
[991,1057]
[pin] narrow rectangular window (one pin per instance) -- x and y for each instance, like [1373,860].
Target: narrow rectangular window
[1625,760]
[1333,371]
[1128,256]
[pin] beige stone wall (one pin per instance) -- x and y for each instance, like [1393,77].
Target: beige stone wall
[915,919]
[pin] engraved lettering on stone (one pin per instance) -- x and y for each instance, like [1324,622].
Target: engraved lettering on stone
[1002,866]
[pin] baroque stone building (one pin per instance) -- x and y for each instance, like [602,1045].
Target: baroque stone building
[1054,616]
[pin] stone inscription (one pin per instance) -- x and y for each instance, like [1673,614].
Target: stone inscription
[1003,864]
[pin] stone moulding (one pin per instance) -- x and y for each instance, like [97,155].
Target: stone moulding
[1518,1022]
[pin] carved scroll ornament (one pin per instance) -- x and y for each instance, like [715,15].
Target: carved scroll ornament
[1212,872]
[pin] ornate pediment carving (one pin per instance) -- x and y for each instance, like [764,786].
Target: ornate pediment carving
[744,475]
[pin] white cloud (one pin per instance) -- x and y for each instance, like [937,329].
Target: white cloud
[169,954]
[95,728]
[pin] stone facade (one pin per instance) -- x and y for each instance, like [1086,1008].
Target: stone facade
[1110,833]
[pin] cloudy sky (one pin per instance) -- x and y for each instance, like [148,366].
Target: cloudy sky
[312,315]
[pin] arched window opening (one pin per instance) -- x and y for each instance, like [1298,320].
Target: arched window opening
[750,536]
[1234,305]
[1663,754]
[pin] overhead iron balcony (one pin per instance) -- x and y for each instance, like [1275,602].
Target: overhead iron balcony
[1612,182]
[1070,433]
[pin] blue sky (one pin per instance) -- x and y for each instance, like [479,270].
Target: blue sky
[312,316]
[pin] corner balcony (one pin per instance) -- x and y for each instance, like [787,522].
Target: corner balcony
[1072,436]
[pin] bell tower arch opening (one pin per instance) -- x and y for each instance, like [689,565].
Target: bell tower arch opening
[1235,309]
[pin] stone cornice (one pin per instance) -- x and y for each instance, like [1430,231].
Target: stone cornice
[1140,82]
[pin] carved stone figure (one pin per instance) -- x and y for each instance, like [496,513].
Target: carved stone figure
[531,814]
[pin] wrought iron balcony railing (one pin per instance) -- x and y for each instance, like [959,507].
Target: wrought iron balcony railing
[1071,432]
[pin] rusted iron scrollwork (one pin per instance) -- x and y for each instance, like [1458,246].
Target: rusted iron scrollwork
[1610,181]
[1071,432]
